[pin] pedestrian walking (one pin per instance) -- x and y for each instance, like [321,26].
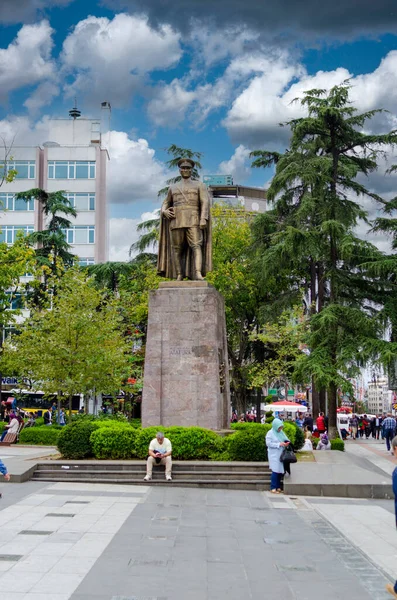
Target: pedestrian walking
[392,589]
[308,422]
[354,426]
[389,430]
[378,426]
[4,472]
[320,423]
[276,441]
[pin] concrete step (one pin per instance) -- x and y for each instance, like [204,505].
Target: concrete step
[237,475]
[159,474]
[236,484]
[132,466]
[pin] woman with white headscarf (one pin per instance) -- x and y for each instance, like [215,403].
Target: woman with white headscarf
[276,441]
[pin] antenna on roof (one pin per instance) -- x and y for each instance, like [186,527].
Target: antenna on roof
[75,112]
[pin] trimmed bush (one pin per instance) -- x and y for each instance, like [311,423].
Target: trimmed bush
[192,443]
[338,444]
[143,439]
[248,445]
[314,442]
[74,439]
[40,436]
[247,426]
[295,434]
[116,441]
[2,426]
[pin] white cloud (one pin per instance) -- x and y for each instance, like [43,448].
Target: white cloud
[110,58]
[123,233]
[184,97]
[254,116]
[213,45]
[168,108]
[134,173]
[42,96]
[20,131]
[27,60]
[238,166]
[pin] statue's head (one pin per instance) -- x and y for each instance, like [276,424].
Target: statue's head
[185,167]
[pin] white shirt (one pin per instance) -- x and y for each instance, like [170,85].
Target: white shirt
[163,448]
[14,426]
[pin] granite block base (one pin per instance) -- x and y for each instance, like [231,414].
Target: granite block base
[186,378]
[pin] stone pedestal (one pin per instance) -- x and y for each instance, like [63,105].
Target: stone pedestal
[186,378]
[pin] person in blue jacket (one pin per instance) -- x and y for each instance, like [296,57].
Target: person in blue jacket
[392,589]
[276,441]
[3,471]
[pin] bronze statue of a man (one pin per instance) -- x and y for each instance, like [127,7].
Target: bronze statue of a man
[185,228]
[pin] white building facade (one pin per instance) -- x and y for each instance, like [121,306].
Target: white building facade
[380,398]
[72,160]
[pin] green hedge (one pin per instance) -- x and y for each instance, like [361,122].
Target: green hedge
[338,444]
[247,445]
[193,443]
[143,440]
[112,439]
[292,431]
[188,443]
[40,436]
[74,439]
[114,442]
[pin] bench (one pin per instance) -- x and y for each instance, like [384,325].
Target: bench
[10,438]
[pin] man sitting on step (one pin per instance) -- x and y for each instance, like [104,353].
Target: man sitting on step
[160,451]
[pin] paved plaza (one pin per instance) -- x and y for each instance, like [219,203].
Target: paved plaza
[93,542]
[79,541]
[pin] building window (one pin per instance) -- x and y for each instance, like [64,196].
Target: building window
[16,300]
[9,202]
[71,169]
[81,201]
[8,233]
[84,234]
[84,262]
[26,169]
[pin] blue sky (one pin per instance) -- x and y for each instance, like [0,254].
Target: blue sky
[215,77]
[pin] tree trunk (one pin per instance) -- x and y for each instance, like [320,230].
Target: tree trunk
[332,405]
[315,400]
[258,405]
[241,401]
[321,397]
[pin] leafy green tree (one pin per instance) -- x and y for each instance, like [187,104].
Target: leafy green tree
[7,174]
[74,345]
[284,340]
[313,191]
[107,275]
[51,244]
[234,277]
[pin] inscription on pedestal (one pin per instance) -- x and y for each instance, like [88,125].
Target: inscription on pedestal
[179,351]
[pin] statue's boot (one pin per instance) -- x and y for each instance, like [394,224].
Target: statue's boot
[178,265]
[198,262]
